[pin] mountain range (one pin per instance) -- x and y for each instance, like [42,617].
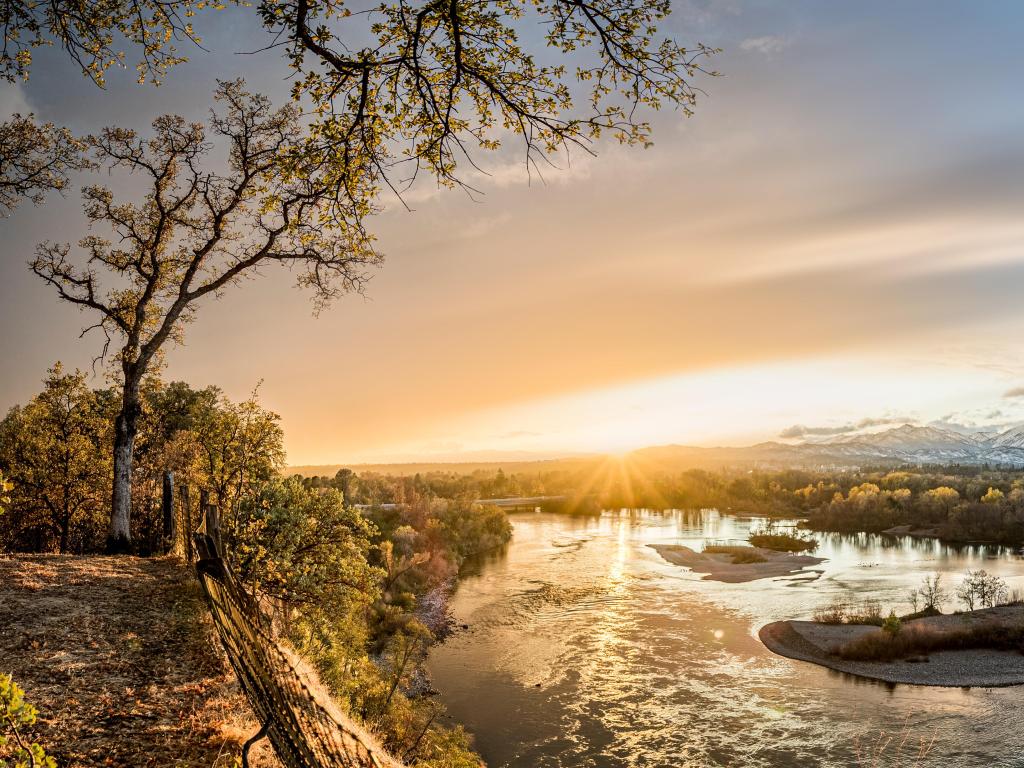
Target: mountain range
[907,444]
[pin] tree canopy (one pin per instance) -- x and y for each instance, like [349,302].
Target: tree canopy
[397,88]
[35,159]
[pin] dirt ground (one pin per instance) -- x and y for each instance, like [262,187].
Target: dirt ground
[121,659]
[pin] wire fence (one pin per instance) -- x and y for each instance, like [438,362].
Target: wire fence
[305,728]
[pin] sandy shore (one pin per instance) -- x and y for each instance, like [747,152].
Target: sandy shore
[813,642]
[719,567]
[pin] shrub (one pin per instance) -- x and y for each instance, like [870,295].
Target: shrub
[740,555]
[15,714]
[835,612]
[870,613]
[916,640]
[783,542]
[892,625]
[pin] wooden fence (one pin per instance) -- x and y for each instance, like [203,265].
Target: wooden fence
[305,728]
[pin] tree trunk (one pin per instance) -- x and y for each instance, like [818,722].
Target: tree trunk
[65,529]
[125,429]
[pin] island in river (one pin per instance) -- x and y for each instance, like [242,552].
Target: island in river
[970,667]
[719,566]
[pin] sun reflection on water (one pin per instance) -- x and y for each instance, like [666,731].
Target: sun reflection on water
[585,648]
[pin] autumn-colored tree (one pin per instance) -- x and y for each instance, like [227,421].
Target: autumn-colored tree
[5,488]
[942,498]
[16,715]
[92,34]
[35,159]
[56,452]
[993,496]
[307,551]
[197,232]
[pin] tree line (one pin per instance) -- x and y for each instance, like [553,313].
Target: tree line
[956,503]
[55,452]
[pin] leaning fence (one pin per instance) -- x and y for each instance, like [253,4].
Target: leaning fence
[304,727]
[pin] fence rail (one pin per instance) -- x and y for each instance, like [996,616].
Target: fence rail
[305,728]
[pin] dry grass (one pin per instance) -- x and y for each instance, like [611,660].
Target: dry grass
[782,542]
[120,657]
[740,555]
[913,641]
[898,749]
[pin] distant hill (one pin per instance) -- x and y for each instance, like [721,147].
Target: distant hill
[458,467]
[906,444]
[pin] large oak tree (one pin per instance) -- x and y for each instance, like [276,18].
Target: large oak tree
[196,232]
[388,91]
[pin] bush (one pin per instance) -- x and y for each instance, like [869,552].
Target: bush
[740,555]
[835,612]
[841,612]
[931,593]
[783,542]
[16,714]
[891,626]
[870,613]
[916,640]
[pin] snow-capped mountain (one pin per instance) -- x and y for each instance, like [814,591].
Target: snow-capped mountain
[1011,438]
[908,444]
[928,445]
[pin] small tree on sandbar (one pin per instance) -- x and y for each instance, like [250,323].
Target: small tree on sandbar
[201,227]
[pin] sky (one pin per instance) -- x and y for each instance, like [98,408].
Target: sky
[833,241]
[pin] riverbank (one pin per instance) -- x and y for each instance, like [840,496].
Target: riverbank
[120,657]
[718,566]
[916,533]
[978,667]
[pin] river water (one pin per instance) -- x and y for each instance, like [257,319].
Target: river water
[585,649]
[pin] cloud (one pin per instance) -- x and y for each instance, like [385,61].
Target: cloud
[767,45]
[12,100]
[1014,392]
[799,430]
[504,173]
[884,420]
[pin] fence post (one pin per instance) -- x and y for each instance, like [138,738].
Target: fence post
[186,521]
[167,506]
[212,517]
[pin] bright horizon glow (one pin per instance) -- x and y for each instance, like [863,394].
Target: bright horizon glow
[726,407]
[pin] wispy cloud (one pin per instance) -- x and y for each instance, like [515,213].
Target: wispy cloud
[1014,392]
[767,45]
[12,100]
[799,430]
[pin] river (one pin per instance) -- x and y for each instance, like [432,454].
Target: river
[584,648]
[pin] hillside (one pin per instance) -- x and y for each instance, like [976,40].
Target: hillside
[120,657]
